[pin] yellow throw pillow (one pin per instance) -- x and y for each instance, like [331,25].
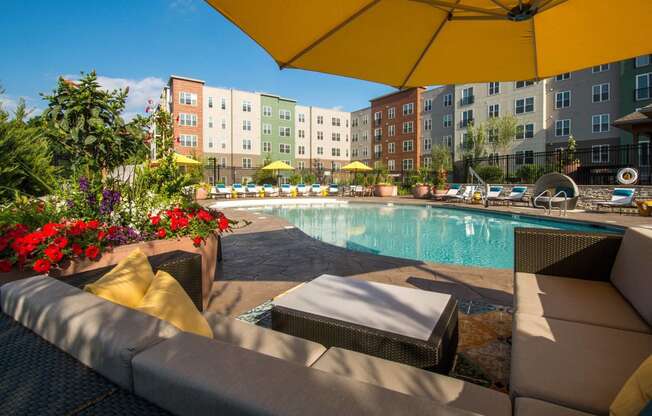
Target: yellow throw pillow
[127,282]
[167,300]
[636,392]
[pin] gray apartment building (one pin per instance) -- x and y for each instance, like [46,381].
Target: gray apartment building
[437,115]
[361,135]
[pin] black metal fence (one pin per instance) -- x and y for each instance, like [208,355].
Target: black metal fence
[596,165]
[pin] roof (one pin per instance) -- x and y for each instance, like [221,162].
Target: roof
[394,93]
[186,78]
[277,96]
[642,116]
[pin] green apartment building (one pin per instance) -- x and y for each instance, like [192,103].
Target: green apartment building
[277,128]
[635,87]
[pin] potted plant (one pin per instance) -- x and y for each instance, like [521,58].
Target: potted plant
[384,185]
[421,187]
[571,163]
[441,164]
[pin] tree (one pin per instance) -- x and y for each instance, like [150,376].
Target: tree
[85,126]
[475,142]
[503,132]
[441,164]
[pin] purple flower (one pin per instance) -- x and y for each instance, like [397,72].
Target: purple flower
[83,184]
[109,200]
[70,203]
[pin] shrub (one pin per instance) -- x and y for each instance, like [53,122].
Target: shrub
[531,173]
[490,173]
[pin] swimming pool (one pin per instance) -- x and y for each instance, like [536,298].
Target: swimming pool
[439,235]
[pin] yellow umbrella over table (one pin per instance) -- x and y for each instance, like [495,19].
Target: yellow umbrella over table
[357,166]
[180,160]
[409,43]
[278,166]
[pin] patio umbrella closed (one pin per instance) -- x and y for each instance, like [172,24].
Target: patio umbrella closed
[407,43]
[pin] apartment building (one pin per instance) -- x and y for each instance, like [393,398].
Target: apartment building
[278,129]
[361,135]
[184,99]
[635,88]
[396,127]
[437,120]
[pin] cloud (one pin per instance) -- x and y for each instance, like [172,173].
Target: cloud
[9,103]
[338,108]
[183,5]
[140,91]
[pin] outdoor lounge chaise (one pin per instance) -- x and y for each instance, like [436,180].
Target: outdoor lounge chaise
[302,189]
[253,189]
[220,190]
[452,191]
[315,189]
[494,193]
[554,190]
[517,194]
[286,189]
[464,196]
[333,189]
[270,190]
[583,316]
[620,198]
[240,190]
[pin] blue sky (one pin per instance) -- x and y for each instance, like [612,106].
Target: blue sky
[140,43]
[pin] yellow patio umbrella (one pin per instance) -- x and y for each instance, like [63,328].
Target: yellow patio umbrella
[357,166]
[278,165]
[181,160]
[408,43]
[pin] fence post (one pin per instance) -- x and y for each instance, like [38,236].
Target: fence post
[507,167]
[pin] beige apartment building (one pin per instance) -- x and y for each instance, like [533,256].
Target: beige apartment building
[361,135]
[437,115]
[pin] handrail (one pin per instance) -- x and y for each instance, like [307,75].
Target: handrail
[549,211]
[483,187]
[565,202]
[536,198]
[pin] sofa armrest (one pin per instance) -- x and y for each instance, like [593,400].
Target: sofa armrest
[576,254]
[183,266]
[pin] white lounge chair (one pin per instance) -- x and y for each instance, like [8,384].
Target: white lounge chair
[465,196]
[220,190]
[620,198]
[253,189]
[516,195]
[240,190]
[302,189]
[494,193]
[453,191]
[286,189]
[270,190]
[333,189]
[315,189]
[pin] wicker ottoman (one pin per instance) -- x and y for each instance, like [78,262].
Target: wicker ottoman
[405,325]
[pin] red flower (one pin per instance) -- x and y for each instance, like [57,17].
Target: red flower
[92,251]
[50,229]
[178,222]
[77,228]
[5,266]
[223,223]
[54,253]
[61,242]
[112,230]
[204,215]
[197,241]
[77,250]
[42,266]
[161,233]
[100,235]
[4,242]
[155,219]
[92,224]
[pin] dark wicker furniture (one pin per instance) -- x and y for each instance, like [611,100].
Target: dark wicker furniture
[435,354]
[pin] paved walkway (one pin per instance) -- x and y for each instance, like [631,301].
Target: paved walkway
[267,258]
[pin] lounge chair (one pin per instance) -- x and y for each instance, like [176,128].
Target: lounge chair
[286,189]
[220,190]
[333,189]
[516,195]
[620,198]
[358,190]
[464,196]
[494,193]
[253,189]
[453,191]
[553,190]
[302,190]
[240,190]
[270,190]
[315,189]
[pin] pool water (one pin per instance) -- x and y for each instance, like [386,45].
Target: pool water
[439,235]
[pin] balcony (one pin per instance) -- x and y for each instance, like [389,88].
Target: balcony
[378,137]
[468,100]
[378,155]
[377,122]
[641,94]
[465,123]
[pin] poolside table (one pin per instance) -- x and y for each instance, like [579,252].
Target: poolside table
[410,326]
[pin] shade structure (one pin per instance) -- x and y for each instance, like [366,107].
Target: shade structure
[278,165]
[357,166]
[409,43]
[181,160]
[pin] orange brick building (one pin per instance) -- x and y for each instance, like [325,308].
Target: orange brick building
[185,100]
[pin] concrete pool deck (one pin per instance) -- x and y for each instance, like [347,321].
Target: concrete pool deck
[271,256]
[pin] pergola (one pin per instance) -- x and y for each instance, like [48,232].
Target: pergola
[638,123]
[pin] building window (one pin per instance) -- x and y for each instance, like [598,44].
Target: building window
[320,135]
[427,104]
[320,150]
[301,165]
[642,61]
[335,137]
[267,147]
[524,105]
[391,147]
[448,100]
[524,157]
[600,93]
[467,118]
[301,133]
[600,153]
[210,102]
[364,136]
[427,162]
[187,98]
[563,77]
[246,162]
[378,133]
[354,138]
[246,144]
[408,145]
[354,122]
[408,127]
[210,122]
[335,121]
[408,164]
[467,96]
[447,140]
[447,120]
[494,88]
[562,99]
[267,129]
[427,144]
[494,110]
[643,86]
[284,148]
[408,109]
[246,106]
[284,131]
[320,120]
[223,103]
[525,131]
[562,127]
[301,150]
[523,84]
[188,140]
[427,124]
[211,142]
[284,114]
[600,68]
[365,152]
[246,125]
[391,165]
[391,130]
[223,124]
[267,111]
[354,152]
[335,151]
[189,120]
[600,123]
[301,117]
[378,116]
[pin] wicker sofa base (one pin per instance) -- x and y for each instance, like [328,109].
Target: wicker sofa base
[436,354]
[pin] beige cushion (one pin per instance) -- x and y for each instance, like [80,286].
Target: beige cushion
[415,382]
[193,375]
[631,272]
[593,302]
[101,334]
[571,364]
[263,340]
[531,407]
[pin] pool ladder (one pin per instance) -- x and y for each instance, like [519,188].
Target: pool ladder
[548,211]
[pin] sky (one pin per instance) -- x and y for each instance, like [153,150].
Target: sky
[140,43]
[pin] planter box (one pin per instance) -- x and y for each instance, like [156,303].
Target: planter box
[201,193]
[421,191]
[208,250]
[385,190]
[439,193]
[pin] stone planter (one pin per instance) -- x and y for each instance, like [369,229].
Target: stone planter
[208,250]
[201,193]
[421,191]
[439,193]
[385,190]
